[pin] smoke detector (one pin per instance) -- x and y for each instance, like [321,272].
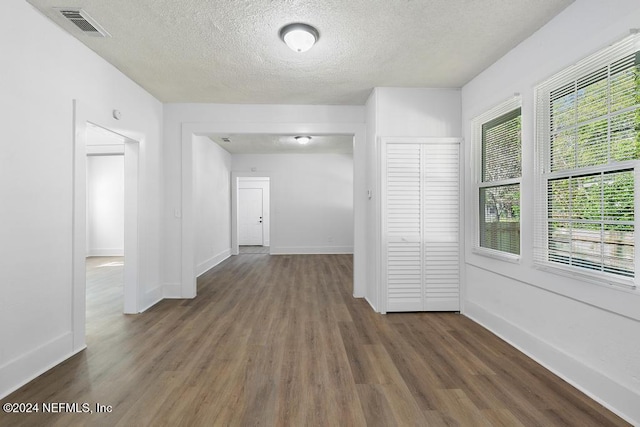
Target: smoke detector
[81,19]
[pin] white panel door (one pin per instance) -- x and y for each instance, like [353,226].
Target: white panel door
[250,215]
[420,225]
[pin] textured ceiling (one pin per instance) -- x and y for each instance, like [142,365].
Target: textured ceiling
[228,51]
[276,144]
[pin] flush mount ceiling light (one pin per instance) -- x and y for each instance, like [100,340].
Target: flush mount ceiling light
[303,139]
[299,37]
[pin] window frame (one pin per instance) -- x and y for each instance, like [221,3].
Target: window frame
[504,108]
[544,174]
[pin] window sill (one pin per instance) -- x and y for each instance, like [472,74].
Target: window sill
[502,256]
[604,281]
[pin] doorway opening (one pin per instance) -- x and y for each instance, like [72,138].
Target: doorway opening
[94,140]
[111,198]
[105,222]
[253,213]
[284,240]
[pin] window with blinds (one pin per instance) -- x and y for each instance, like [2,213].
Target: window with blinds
[500,158]
[588,140]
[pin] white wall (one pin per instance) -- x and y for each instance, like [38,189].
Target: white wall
[47,69]
[312,198]
[105,205]
[588,334]
[402,112]
[418,112]
[264,185]
[212,187]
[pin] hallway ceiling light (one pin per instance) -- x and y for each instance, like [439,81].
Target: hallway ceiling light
[299,37]
[303,139]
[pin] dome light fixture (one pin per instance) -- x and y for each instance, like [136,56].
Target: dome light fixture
[299,37]
[303,140]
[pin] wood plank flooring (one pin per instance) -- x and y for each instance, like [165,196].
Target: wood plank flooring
[280,341]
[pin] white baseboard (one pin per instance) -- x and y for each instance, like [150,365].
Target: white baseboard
[371,305]
[172,291]
[207,265]
[34,363]
[151,298]
[105,252]
[611,394]
[311,250]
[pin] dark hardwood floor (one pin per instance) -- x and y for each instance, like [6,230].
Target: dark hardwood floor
[280,341]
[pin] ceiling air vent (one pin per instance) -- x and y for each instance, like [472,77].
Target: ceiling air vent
[84,21]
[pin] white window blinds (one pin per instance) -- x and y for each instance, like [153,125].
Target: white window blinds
[501,148]
[588,143]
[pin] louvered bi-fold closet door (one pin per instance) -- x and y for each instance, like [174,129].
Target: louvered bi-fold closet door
[441,226]
[421,225]
[403,219]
